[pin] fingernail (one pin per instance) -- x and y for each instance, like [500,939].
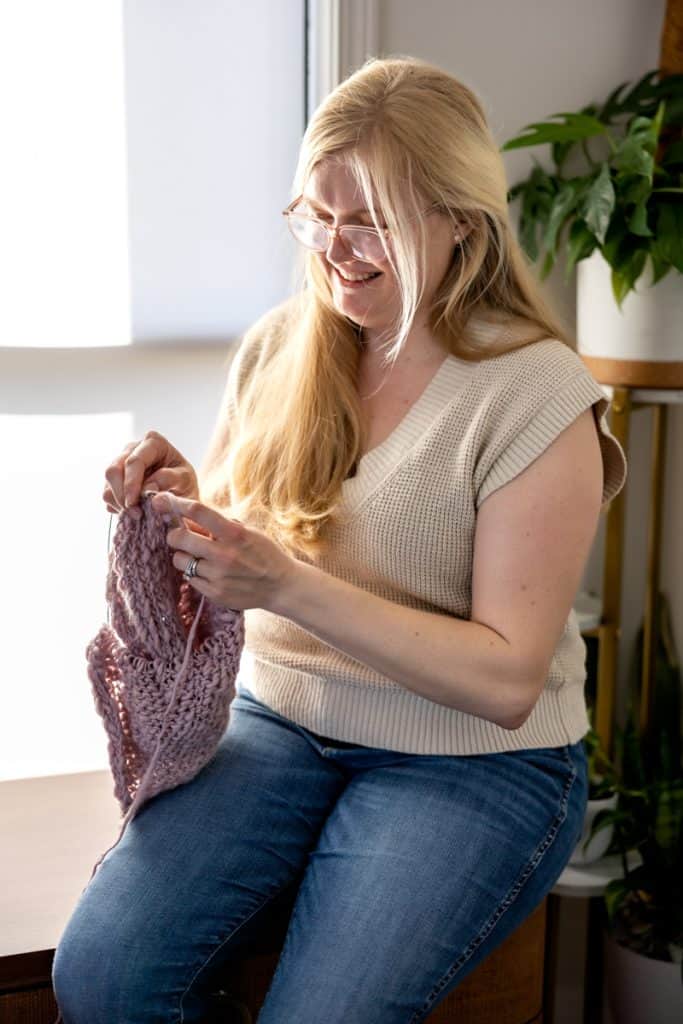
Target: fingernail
[135,511]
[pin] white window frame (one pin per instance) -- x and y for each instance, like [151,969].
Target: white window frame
[341,35]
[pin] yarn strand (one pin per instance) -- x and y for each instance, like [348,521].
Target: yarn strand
[144,786]
[132,663]
[144,632]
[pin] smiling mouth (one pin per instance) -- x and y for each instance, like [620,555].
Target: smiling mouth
[364,280]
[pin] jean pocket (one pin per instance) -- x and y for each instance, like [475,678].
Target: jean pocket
[557,763]
[561,754]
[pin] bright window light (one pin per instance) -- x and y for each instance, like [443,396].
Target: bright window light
[148,151]
[63,207]
[53,600]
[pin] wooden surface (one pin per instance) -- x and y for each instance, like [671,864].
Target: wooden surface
[54,830]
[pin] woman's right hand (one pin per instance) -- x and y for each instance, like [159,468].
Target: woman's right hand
[150,464]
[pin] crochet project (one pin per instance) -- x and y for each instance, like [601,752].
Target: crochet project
[163,672]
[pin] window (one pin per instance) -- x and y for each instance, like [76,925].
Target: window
[153,146]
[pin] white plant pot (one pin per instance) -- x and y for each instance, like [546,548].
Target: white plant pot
[599,843]
[641,990]
[640,345]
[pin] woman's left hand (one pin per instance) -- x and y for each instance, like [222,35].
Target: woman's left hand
[239,567]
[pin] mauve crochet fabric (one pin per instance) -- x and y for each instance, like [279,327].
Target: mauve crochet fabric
[163,672]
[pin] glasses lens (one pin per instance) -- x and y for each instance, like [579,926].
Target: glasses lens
[365,244]
[308,232]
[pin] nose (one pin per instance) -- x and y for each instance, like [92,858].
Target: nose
[337,248]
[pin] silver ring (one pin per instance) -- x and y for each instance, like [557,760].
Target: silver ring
[190,569]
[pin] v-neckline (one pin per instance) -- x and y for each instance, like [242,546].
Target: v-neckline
[374,465]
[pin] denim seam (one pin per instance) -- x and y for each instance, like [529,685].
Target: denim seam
[218,948]
[509,899]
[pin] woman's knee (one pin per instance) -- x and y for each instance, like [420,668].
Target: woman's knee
[86,975]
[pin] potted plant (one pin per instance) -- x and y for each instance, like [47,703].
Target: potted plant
[644,908]
[602,798]
[622,205]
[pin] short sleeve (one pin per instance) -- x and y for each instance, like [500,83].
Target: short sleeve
[544,394]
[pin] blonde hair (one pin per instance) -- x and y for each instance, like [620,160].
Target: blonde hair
[411,134]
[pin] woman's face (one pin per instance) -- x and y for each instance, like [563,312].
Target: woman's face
[333,196]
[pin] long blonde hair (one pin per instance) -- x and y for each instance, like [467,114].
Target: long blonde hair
[410,133]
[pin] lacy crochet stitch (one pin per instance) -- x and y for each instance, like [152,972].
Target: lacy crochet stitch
[163,673]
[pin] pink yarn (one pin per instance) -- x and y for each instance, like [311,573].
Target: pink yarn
[163,674]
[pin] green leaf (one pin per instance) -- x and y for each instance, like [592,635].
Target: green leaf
[674,112]
[580,244]
[598,204]
[612,105]
[633,189]
[537,200]
[638,221]
[516,190]
[565,201]
[669,232]
[668,816]
[632,158]
[630,270]
[615,892]
[642,92]
[659,268]
[642,89]
[548,264]
[575,128]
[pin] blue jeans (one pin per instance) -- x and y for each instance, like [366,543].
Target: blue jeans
[406,870]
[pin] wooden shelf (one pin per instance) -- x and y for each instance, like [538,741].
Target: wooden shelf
[649,396]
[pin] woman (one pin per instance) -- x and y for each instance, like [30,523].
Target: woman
[402,491]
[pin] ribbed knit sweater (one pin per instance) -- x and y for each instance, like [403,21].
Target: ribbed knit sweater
[407,535]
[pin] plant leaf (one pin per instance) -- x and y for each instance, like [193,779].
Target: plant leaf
[598,204]
[575,128]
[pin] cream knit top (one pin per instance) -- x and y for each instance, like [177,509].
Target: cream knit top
[407,535]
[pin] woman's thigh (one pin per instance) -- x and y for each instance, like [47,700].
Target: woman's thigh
[171,900]
[420,871]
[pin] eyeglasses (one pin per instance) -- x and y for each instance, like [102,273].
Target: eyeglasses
[364,243]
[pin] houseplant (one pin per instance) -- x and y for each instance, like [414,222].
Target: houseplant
[645,907]
[625,202]
[617,188]
[602,797]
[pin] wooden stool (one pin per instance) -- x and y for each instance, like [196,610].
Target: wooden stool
[506,987]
